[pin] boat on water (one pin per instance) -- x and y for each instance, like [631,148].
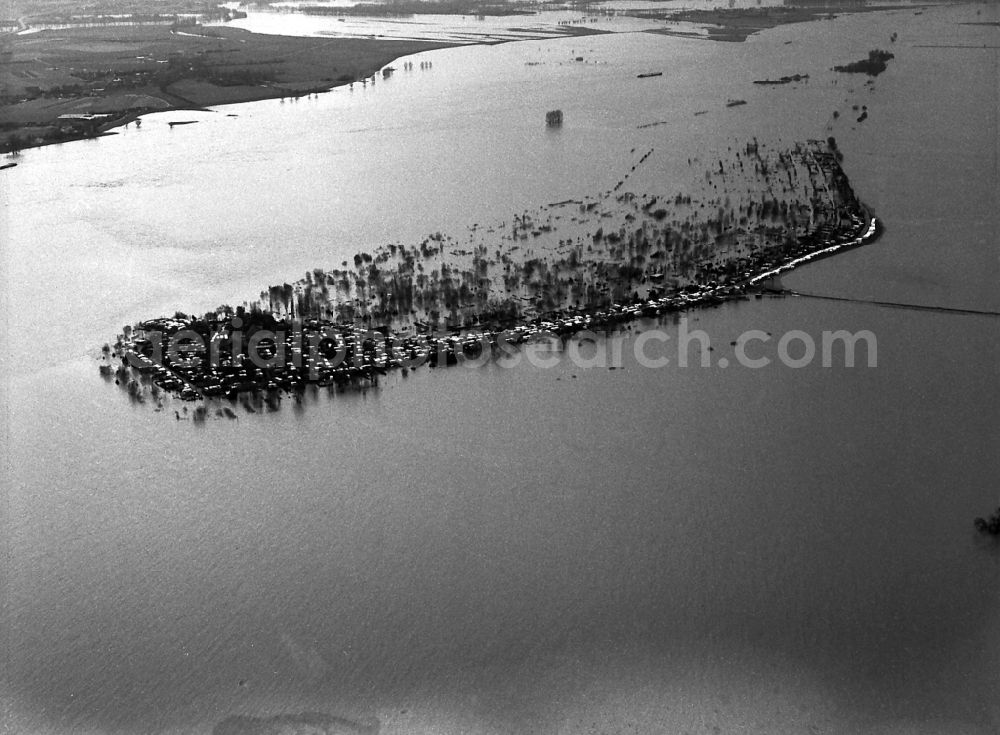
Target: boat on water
[651,74]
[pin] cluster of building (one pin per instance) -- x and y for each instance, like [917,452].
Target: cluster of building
[233,352]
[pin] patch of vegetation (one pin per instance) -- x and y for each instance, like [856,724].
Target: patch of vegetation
[875,64]
[990,526]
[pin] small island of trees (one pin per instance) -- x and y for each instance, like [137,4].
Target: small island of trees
[989,526]
[875,64]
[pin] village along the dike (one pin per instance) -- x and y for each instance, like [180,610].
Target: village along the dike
[439,303]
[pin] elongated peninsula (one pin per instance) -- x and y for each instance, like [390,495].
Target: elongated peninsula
[587,264]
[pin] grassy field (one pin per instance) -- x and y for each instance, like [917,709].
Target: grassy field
[52,10]
[125,71]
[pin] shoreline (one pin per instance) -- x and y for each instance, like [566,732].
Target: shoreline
[872,232]
[211,66]
[172,71]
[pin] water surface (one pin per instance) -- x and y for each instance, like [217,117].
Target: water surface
[514,550]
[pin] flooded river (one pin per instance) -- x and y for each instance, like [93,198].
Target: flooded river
[516,549]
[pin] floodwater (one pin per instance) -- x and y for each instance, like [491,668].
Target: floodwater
[447,28]
[510,548]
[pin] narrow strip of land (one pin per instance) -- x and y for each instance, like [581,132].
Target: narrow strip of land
[738,24]
[894,304]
